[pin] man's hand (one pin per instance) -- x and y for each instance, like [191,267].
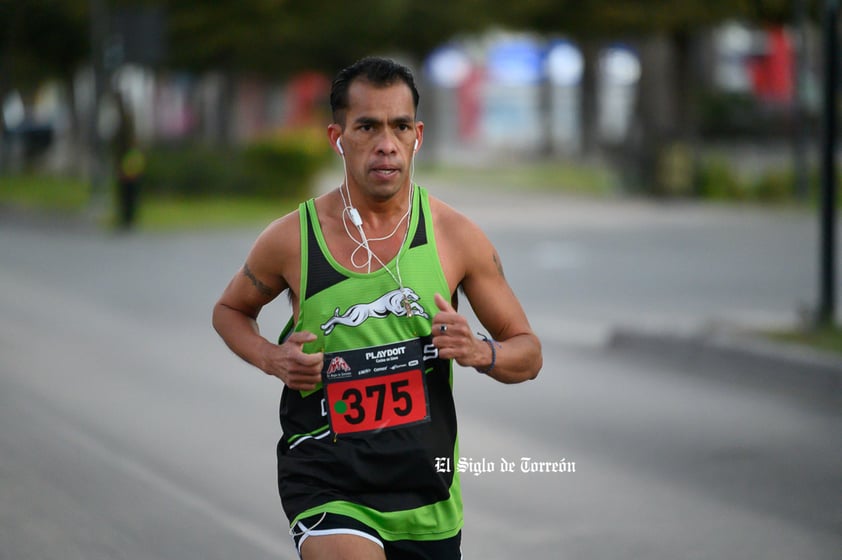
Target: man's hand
[289,363]
[453,337]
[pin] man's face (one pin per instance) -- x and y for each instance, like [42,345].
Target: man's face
[378,137]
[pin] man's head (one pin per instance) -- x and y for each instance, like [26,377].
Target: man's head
[379,72]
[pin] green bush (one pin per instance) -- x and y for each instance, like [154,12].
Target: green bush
[717,180]
[287,162]
[775,186]
[283,165]
[191,171]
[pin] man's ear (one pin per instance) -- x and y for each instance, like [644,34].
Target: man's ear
[334,133]
[419,135]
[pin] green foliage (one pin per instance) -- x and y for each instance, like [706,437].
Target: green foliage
[190,171]
[288,160]
[281,166]
[280,37]
[296,35]
[717,180]
[41,39]
[600,18]
[775,186]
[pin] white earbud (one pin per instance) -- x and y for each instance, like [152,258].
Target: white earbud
[339,145]
[415,147]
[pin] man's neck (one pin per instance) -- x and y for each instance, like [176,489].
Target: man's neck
[377,214]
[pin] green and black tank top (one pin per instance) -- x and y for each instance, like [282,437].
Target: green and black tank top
[373,440]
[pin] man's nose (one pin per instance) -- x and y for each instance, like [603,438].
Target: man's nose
[387,143]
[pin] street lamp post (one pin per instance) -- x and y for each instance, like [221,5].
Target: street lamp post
[827,274]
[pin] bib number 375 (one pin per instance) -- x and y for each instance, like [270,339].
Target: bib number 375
[365,395]
[377,402]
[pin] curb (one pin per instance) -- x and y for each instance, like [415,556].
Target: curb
[731,355]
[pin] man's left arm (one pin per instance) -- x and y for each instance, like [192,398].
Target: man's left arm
[513,352]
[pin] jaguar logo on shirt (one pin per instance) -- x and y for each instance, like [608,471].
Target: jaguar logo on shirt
[396,303]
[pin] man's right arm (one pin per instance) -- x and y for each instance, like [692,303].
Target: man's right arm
[262,278]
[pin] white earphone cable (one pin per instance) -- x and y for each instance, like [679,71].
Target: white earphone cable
[363,242]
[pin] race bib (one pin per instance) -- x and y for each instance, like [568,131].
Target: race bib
[376,388]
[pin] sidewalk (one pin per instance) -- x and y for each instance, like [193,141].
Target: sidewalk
[789,368]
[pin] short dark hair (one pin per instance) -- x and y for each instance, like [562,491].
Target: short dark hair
[380,72]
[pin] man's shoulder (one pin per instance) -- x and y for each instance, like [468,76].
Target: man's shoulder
[282,237]
[442,210]
[285,225]
[449,219]
[286,230]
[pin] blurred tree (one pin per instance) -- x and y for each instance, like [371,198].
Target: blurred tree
[663,33]
[44,39]
[279,37]
[39,40]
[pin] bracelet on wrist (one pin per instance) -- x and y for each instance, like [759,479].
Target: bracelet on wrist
[493,345]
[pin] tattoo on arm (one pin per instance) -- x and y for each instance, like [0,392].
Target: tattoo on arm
[499,265]
[261,287]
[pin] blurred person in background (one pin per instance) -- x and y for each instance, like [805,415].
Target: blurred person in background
[366,460]
[130,164]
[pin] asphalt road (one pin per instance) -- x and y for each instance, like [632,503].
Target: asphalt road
[129,431]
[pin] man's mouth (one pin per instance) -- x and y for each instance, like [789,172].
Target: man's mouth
[385,171]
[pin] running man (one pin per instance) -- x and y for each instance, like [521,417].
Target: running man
[372,270]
